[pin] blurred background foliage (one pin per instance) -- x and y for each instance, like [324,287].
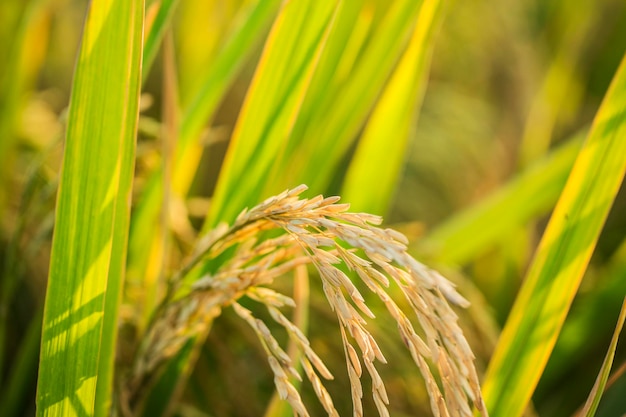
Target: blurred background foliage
[511,87]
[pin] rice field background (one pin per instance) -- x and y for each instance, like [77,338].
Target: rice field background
[491,134]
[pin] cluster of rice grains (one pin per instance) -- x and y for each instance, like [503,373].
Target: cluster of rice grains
[317,231]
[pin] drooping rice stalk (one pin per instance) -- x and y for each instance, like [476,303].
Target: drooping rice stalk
[321,232]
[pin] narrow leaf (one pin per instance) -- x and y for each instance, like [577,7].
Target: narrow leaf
[332,128]
[560,260]
[272,104]
[589,410]
[380,153]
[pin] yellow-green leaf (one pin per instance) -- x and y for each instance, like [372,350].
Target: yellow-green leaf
[560,260]
[272,105]
[340,112]
[380,153]
[214,83]
[92,214]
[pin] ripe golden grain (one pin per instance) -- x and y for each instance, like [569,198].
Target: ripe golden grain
[315,231]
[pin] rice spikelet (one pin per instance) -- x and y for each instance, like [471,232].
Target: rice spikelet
[316,231]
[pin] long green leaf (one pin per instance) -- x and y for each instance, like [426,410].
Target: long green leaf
[272,104]
[339,114]
[345,39]
[380,153]
[560,260]
[93,208]
[613,401]
[588,321]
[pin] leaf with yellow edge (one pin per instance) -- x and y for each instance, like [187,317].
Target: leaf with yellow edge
[272,105]
[560,260]
[337,115]
[380,153]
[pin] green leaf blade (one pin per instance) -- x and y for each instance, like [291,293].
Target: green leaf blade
[336,118]
[380,153]
[272,105]
[92,215]
[561,259]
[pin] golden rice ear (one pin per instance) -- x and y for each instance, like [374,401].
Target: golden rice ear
[317,231]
